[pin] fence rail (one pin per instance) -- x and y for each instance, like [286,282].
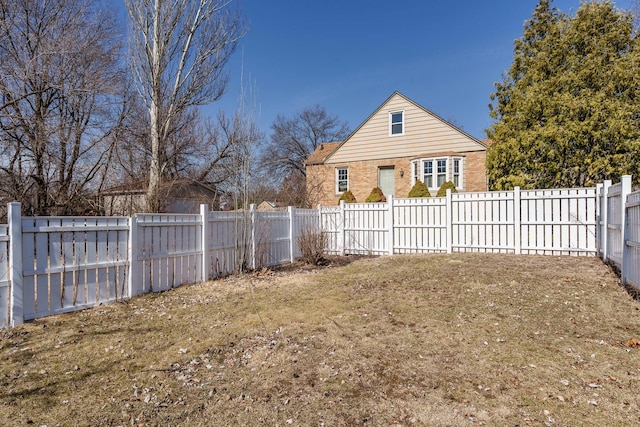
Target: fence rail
[631,271]
[619,228]
[51,265]
[71,263]
[602,221]
[559,222]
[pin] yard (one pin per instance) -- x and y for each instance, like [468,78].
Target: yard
[437,340]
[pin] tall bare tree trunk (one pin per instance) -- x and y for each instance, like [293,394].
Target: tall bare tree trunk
[155,176]
[179,50]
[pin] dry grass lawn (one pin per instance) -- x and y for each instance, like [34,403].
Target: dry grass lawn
[437,340]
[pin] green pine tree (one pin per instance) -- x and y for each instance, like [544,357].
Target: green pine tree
[567,112]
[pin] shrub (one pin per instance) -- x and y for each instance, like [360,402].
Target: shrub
[443,189]
[312,245]
[375,196]
[348,197]
[419,189]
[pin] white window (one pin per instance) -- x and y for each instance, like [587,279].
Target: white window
[457,172]
[396,123]
[442,172]
[342,180]
[435,172]
[427,177]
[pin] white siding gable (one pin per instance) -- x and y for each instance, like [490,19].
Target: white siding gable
[423,133]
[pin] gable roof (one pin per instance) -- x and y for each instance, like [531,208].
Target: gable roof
[317,158]
[142,186]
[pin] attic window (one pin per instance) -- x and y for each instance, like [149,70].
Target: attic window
[396,123]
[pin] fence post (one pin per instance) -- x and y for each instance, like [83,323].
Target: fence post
[341,236]
[252,214]
[291,232]
[204,241]
[134,250]
[16,303]
[625,190]
[449,216]
[517,221]
[390,224]
[625,250]
[598,219]
[605,220]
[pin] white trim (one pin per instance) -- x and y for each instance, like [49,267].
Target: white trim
[337,178]
[460,183]
[391,123]
[449,162]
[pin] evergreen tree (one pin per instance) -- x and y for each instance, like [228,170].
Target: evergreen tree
[376,196]
[567,112]
[448,185]
[348,197]
[419,189]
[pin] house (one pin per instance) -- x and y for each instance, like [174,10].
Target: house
[182,195]
[396,145]
[267,205]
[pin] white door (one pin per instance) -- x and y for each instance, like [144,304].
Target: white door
[387,180]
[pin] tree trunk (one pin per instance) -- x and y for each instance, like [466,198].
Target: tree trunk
[153,193]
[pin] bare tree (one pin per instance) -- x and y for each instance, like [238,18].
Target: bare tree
[196,148]
[178,49]
[292,141]
[59,82]
[243,138]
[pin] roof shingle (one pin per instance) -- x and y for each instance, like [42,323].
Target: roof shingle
[322,152]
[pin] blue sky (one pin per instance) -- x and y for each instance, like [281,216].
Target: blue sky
[350,55]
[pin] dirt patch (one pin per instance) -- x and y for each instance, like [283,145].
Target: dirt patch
[438,340]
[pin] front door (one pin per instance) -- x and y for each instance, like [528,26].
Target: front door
[387,180]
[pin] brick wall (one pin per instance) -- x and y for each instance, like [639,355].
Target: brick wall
[363,177]
[475,171]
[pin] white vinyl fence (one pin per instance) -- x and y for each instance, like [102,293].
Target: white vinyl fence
[166,251]
[53,265]
[5,283]
[273,240]
[603,221]
[560,222]
[71,263]
[631,262]
[619,226]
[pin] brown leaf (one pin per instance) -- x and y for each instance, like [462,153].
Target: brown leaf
[632,343]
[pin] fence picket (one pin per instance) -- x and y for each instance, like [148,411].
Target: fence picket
[530,222]
[91,274]
[78,295]
[58,264]
[58,245]
[631,265]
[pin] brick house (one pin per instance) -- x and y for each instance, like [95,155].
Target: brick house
[397,144]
